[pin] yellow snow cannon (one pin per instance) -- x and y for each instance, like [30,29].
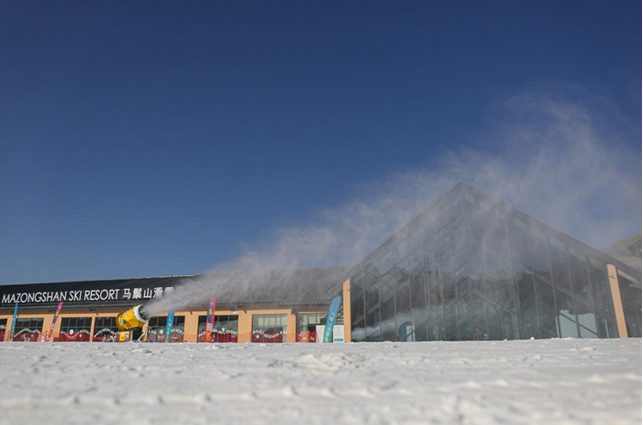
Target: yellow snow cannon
[131,322]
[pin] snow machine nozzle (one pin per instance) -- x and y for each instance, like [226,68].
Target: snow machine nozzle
[133,318]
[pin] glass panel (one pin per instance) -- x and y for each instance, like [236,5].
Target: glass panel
[578,275]
[384,260]
[546,307]
[431,251]
[606,325]
[437,327]
[157,325]
[465,307]
[74,329]
[416,236]
[477,283]
[436,298]
[388,309]
[527,300]
[519,246]
[474,329]
[404,325]
[585,316]
[460,256]
[490,263]
[225,328]
[494,314]
[458,230]
[448,280]
[269,328]
[444,234]
[565,305]
[372,298]
[421,332]
[462,282]
[496,238]
[416,262]
[418,316]
[506,284]
[373,325]
[403,298]
[510,321]
[476,229]
[387,286]
[474,255]
[477,308]
[568,328]
[309,321]
[400,249]
[358,333]
[358,277]
[371,278]
[540,255]
[492,288]
[27,329]
[451,322]
[388,331]
[402,271]
[559,271]
[418,296]
[105,330]
[586,333]
[307,326]
[357,302]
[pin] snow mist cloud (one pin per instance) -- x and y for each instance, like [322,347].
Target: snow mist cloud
[551,158]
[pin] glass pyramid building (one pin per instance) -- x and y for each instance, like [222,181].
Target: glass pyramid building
[472,268]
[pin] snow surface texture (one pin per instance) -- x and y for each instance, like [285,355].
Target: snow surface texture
[565,381]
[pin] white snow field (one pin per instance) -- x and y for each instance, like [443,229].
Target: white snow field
[563,381]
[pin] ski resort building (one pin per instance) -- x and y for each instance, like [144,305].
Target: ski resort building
[468,268]
[472,268]
[271,313]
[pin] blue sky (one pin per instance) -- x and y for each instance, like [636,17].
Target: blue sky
[153,138]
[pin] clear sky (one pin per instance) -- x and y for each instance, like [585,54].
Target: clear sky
[144,138]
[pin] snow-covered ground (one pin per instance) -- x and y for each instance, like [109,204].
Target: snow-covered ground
[562,381]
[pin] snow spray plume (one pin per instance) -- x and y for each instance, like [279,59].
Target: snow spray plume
[551,161]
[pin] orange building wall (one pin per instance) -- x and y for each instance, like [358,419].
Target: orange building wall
[191,326]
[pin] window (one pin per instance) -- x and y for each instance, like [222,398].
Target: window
[373,325]
[476,271]
[105,330]
[357,302]
[75,329]
[527,298]
[510,322]
[403,298]
[407,332]
[3,328]
[559,265]
[546,307]
[272,328]
[28,329]
[224,329]
[156,329]
[307,326]
[566,315]
[540,257]
[578,275]
[436,327]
